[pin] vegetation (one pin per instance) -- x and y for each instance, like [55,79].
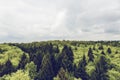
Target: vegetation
[60,60]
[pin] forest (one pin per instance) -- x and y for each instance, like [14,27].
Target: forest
[60,60]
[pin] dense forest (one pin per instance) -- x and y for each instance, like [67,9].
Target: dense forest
[60,60]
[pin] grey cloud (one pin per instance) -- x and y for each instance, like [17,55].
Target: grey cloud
[113,28]
[112,31]
[30,20]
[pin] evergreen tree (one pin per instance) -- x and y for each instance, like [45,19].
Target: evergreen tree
[94,47]
[62,74]
[1,70]
[56,49]
[55,65]
[101,68]
[67,58]
[68,51]
[101,47]
[109,51]
[46,70]
[23,61]
[103,53]
[31,68]
[49,48]
[1,51]
[80,71]
[90,55]
[37,60]
[8,68]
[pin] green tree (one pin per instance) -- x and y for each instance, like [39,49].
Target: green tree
[101,69]
[23,61]
[103,53]
[90,55]
[64,75]
[109,51]
[7,68]
[46,70]
[80,72]
[101,47]
[37,60]
[18,75]
[94,48]
[31,68]
[67,58]
[56,49]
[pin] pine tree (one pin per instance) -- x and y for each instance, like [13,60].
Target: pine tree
[46,70]
[90,55]
[31,68]
[109,51]
[101,47]
[103,53]
[8,68]
[49,48]
[80,72]
[23,61]
[62,74]
[37,60]
[67,58]
[101,68]
[94,47]
[56,49]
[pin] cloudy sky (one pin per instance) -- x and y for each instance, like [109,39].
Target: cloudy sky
[36,20]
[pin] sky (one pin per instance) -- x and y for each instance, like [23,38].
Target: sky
[39,20]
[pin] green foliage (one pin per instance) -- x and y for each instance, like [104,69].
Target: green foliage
[9,59]
[80,72]
[101,47]
[103,53]
[90,67]
[31,68]
[79,60]
[101,69]
[67,58]
[109,51]
[46,70]
[114,75]
[90,55]
[19,75]
[10,52]
[64,75]
[24,60]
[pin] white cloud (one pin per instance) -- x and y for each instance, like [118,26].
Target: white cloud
[35,20]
